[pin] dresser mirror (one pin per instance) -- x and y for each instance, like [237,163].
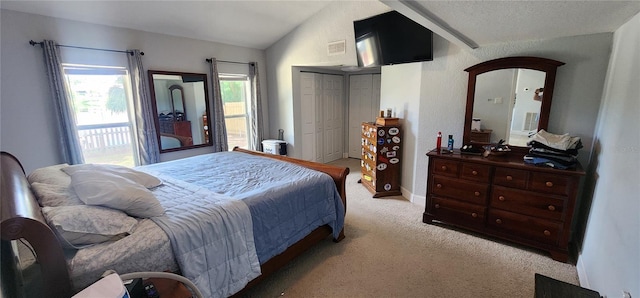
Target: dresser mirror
[508,99]
[181,102]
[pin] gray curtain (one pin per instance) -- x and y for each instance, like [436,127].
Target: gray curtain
[67,131]
[219,128]
[148,148]
[256,108]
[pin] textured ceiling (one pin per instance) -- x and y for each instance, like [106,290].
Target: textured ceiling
[260,23]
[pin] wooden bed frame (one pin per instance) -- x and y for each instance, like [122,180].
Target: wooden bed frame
[21,217]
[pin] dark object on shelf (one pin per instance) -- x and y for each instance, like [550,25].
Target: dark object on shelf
[552,288]
[470,149]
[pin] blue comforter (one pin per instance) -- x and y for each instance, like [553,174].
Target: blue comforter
[286,201]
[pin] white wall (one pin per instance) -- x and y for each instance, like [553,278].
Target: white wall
[400,91]
[610,257]
[28,123]
[443,85]
[307,46]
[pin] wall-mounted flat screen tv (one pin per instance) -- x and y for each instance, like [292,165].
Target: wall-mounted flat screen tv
[391,38]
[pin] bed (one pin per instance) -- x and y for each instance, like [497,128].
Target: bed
[170,141]
[22,216]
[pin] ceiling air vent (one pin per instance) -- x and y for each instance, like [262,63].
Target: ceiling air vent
[336,48]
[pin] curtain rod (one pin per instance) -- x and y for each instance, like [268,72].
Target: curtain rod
[209,61]
[33,43]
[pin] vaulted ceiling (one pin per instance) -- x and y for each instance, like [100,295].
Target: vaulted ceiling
[260,23]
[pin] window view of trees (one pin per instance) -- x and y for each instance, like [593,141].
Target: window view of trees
[234,96]
[100,102]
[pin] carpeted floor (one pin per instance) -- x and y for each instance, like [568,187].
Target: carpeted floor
[389,252]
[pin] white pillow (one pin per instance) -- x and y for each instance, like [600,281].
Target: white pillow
[53,195]
[149,181]
[81,226]
[110,190]
[50,175]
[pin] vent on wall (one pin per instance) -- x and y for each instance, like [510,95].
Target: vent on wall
[530,121]
[336,48]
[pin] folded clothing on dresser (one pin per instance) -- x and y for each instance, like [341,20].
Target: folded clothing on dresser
[551,150]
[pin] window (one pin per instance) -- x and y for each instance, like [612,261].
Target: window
[235,90]
[101,99]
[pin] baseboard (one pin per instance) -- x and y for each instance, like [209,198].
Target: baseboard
[582,273]
[415,199]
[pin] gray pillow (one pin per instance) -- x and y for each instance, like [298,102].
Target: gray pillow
[149,181]
[113,191]
[50,175]
[53,195]
[82,226]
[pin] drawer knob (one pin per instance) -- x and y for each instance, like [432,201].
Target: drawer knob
[549,184]
[439,185]
[437,206]
[444,168]
[474,215]
[547,233]
[498,221]
[474,172]
[509,178]
[552,208]
[501,198]
[477,193]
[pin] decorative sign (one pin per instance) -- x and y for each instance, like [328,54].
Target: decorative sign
[395,148]
[381,132]
[387,187]
[382,166]
[394,160]
[391,154]
[394,131]
[396,139]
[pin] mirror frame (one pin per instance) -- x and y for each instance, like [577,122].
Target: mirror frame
[154,104]
[542,64]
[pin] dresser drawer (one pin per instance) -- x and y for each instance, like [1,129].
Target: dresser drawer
[472,192]
[550,183]
[457,212]
[510,177]
[445,167]
[528,203]
[525,227]
[475,172]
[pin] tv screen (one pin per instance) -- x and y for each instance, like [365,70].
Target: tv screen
[391,38]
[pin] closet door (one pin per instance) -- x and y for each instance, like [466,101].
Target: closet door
[308,115]
[364,103]
[318,120]
[333,112]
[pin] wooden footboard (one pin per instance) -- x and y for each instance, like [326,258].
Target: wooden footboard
[21,217]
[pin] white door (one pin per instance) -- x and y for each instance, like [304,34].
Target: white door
[318,125]
[308,115]
[364,103]
[333,116]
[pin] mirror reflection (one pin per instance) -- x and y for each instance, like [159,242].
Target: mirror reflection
[507,105]
[182,108]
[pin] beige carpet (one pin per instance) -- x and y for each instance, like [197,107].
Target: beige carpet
[389,252]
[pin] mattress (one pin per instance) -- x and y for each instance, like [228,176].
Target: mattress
[286,201]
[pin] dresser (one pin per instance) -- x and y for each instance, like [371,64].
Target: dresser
[481,136]
[381,158]
[179,128]
[505,198]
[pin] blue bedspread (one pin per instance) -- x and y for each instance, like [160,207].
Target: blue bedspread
[286,201]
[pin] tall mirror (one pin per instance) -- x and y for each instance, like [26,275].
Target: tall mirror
[181,102]
[508,99]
